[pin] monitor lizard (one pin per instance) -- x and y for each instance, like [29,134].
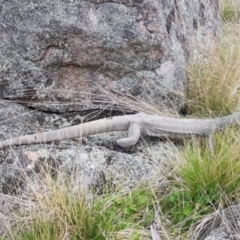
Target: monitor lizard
[157,126]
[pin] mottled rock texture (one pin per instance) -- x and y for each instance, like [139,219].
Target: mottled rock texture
[80,55]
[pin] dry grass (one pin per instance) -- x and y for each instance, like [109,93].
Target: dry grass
[230,11]
[214,84]
[60,211]
[216,173]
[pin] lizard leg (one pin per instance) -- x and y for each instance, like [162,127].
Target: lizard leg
[133,136]
[211,142]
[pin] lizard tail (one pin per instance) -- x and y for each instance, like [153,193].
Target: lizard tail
[27,139]
[81,130]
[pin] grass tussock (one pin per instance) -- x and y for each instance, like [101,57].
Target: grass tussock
[203,182]
[61,213]
[214,86]
[213,174]
[214,82]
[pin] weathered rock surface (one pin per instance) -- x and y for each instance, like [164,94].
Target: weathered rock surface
[78,55]
[94,167]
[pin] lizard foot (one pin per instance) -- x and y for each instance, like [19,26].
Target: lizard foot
[133,136]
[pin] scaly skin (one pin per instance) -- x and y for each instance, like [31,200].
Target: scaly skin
[163,127]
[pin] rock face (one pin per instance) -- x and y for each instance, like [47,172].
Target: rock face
[83,55]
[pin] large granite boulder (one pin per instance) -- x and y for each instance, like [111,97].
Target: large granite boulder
[89,54]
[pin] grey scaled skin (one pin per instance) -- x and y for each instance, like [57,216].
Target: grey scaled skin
[157,126]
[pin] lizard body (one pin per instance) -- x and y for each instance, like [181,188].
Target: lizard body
[163,127]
